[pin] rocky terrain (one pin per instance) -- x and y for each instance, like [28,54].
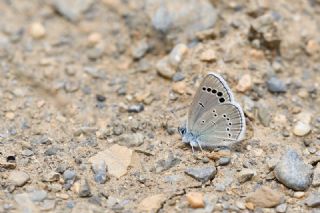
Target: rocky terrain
[92,93]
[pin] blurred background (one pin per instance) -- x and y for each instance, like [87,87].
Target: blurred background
[80,77]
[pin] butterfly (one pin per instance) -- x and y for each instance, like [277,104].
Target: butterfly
[215,119]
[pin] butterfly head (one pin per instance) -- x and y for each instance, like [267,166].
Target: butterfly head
[187,136]
[182,130]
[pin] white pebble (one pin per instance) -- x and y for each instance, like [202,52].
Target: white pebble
[177,54]
[94,38]
[37,30]
[301,129]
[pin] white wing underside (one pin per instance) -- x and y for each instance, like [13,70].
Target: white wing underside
[214,116]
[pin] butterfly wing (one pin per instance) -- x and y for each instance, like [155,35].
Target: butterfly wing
[214,116]
[213,90]
[222,125]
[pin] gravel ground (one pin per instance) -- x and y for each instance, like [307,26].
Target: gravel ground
[92,93]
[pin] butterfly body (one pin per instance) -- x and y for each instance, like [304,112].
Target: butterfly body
[188,137]
[214,118]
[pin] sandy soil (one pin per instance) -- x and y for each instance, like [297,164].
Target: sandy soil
[77,78]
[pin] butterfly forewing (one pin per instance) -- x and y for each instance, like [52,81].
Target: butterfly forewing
[212,91]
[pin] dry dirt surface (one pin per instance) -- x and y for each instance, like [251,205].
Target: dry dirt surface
[92,93]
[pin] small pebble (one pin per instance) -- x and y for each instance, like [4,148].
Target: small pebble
[179,87]
[27,152]
[298,194]
[71,86]
[219,154]
[313,200]
[18,178]
[38,195]
[37,30]
[301,129]
[63,196]
[307,142]
[136,108]
[249,206]
[276,85]
[245,175]
[224,161]
[195,199]
[208,56]
[100,170]
[10,115]
[95,53]
[164,69]
[316,176]
[264,115]
[70,204]
[241,205]
[132,140]
[281,208]
[285,133]
[71,10]
[100,98]
[202,174]
[82,188]
[293,172]
[277,66]
[244,84]
[265,197]
[312,47]
[51,177]
[312,150]
[69,174]
[51,151]
[177,54]
[94,38]
[178,76]
[140,49]
[219,187]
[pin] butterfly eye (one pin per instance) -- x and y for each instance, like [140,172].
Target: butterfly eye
[203,88]
[229,135]
[224,115]
[219,93]
[230,124]
[214,91]
[228,119]
[221,100]
[228,129]
[208,89]
[181,130]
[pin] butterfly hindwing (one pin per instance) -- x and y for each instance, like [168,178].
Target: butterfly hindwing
[223,124]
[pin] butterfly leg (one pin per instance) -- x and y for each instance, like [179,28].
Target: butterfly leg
[192,148]
[199,144]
